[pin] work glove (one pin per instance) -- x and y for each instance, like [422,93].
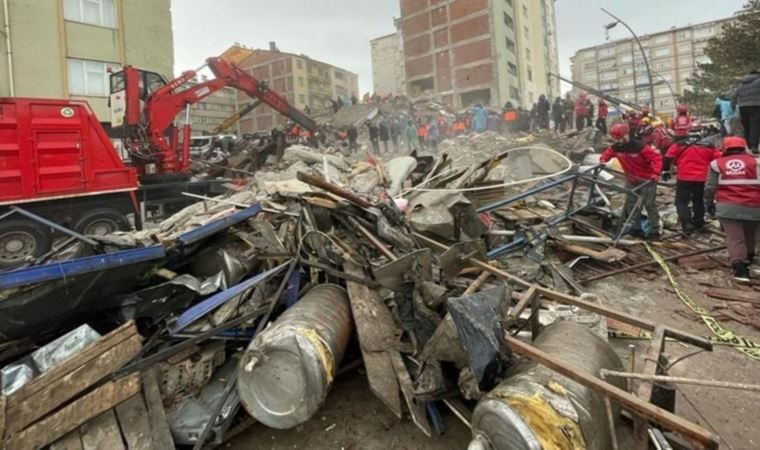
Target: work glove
[710,210]
[666,176]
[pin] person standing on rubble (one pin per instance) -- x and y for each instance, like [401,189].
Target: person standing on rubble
[601,116]
[589,113]
[433,134]
[746,100]
[693,161]
[558,115]
[542,109]
[422,132]
[732,194]
[580,110]
[411,138]
[640,163]
[479,118]
[374,136]
[509,115]
[385,134]
[353,135]
[568,108]
[395,128]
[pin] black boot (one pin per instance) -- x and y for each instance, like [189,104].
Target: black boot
[741,272]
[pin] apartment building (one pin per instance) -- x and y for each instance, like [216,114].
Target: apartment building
[388,71]
[674,55]
[213,110]
[303,81]
[66,48]
[480,51]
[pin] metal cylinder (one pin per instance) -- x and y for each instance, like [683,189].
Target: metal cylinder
[287,370]
[536,408]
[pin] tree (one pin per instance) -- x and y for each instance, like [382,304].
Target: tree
[732,54]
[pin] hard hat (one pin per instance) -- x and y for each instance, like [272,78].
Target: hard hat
[646,121]
[619,130]
[682,109]
[730,142]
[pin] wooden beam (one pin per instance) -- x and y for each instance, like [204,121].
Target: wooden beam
[102,432]
[162,436]
[702,438]
[135,424]
[52,393]
[644,388]
[71,441]
[75,414]
[525,300]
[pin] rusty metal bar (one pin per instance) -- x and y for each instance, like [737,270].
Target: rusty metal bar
[333,189]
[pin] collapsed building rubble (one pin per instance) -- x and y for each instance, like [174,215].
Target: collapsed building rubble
[456,278]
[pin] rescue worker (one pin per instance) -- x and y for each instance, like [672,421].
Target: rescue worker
[459,126]
[558,115]
[352,134]
[681,124]
[661,138]
[589,113]
[411,138]
[568,107]
[580,110]
[385,134]
[693,161]
[732,194]
[634,121]
[374,137]
[542,111]
[601,116]
[646,131]
[479,118]
[641,163]
[422,132]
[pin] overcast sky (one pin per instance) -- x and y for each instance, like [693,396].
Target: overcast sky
[338,31]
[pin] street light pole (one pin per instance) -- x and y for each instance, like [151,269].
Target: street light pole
[643,54]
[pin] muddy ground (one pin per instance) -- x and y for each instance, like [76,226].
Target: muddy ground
[354,419]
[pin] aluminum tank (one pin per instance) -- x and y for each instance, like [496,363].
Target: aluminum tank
[287,370]
[536,408]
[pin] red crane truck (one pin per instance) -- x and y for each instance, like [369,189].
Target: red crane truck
[56,160]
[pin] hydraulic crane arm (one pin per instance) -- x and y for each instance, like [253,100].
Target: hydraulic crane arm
[233,119]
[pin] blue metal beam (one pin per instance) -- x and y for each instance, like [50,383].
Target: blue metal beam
[78,266]
[216,226]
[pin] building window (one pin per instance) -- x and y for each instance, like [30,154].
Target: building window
[661,39]
[685,61]
[683,35]
[530,75]
[302,98]
[508,21]
[89,77]
[527,53]
[514,93]
[300,81]
[299,64]
[526,32]
[525,11]
[338,75]
[512,69]
[94,12]
[662,52]
[510,45]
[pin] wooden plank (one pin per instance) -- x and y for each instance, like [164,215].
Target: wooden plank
[102,433]
[90,352]
[644,388]
[71,441]
[135,424]
[734,295]
[703,439]
[75,414]
[374,328]
[416,410]
[525,300]
[162,436]
[60,390]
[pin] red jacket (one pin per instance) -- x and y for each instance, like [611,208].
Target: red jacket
[580,107]
[681,125]
[693,160]
[639,161]
[661,139]
[739,180]
[602,111]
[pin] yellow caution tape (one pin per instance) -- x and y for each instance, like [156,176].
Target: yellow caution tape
[744,345]
[552,429]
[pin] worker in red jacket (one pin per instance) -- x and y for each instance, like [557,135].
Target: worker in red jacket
[641,164]
[732,194]
[692,158]
[581,111]
[601,116]
[681,124]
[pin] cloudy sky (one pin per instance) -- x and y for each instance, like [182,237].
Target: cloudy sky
[339,31]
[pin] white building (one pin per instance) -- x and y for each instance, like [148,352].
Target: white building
[388,73]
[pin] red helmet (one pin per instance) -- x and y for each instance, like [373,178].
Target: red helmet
[619,130]
[682,109]
[730,142]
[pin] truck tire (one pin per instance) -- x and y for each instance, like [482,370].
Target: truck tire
[101,221]
[21,240]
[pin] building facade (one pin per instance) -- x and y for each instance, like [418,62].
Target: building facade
[212,111]
[480,51]
[66,48]
[674,55]
[388,71]
[306,83]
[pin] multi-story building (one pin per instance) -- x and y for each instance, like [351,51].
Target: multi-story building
[480,51]
[306,83]
[388,71]
[674,55]
[65,49]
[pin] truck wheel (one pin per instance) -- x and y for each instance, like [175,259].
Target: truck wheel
[22,239]
[100,222]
